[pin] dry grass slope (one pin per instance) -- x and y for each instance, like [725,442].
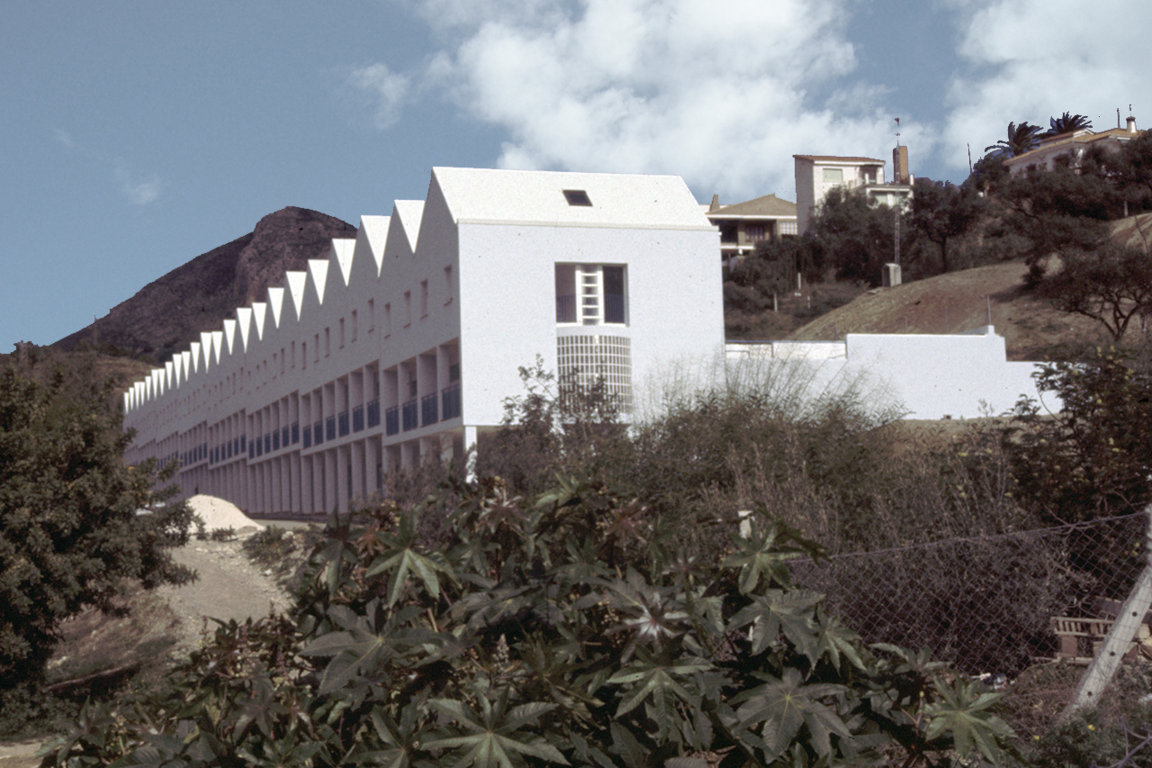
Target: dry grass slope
[960,301]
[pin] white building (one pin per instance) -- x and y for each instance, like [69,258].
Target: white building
[817,175]
[404,343]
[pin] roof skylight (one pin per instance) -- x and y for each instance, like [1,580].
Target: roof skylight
[577,197]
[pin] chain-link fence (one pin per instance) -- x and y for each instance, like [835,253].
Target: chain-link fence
[1026,609]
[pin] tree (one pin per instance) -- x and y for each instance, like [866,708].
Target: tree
[857,236]
[1094,458]
[72,522]
[1111,284]
[1021,138]
[942,212]
[1062,212]
[1066,123]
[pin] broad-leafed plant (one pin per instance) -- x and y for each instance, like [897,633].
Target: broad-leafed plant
[569,631]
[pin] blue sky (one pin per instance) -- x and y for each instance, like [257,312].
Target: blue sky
[137,135]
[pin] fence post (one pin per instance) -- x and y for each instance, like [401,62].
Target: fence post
[1124,629]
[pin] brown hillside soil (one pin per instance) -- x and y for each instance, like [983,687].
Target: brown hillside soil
[960,301]
[158,626]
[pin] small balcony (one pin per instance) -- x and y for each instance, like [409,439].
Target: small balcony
[410,415]
[358,418]
[343,422]
[450,402]
[429,410]
[392,420]
[330,428]
[373,413]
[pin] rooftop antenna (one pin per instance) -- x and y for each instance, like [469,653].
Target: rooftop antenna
[898,130]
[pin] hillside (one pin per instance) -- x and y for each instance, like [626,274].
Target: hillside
[166,315]
[960,301]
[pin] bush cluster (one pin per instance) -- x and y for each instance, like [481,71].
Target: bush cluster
[569,629]
[75,522]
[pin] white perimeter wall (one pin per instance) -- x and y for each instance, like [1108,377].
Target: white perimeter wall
[919,376]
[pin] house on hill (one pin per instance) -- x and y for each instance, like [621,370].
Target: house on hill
[817,175]
[1069,149]
[743,225]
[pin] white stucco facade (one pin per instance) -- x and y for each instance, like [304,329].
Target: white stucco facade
[914,376]
[403,344]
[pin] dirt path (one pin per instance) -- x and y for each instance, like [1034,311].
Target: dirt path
[229,586]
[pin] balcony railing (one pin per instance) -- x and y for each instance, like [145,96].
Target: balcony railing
[285,436]
[295,432]
[307,437]
[392,420]
[373,413]
[343,421]
[317,433]
[276,440]
[450,401]
[330,428]
[358,418]
[429,410]
[410,415]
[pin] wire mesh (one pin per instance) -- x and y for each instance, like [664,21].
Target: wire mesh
[988,604]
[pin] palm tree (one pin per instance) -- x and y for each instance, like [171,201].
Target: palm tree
[1021,138]
[1067,123]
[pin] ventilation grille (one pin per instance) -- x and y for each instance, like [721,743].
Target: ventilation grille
[586,360]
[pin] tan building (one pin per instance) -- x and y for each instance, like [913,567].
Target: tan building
[1070,148]
[743,225]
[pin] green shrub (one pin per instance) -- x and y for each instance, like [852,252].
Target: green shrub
[74,520]
[572,630]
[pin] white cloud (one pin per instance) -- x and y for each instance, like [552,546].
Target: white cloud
[721,93]
[140,190]
[1030,60]
[387,89]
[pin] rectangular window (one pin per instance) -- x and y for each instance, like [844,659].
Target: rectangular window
[316,347]
[591,294]
[371,315]
[448,285]
[304,354]
[327,342]
[407,308]
[388,319]
[355,325]
[341,333]
[423,298]
[833,175]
